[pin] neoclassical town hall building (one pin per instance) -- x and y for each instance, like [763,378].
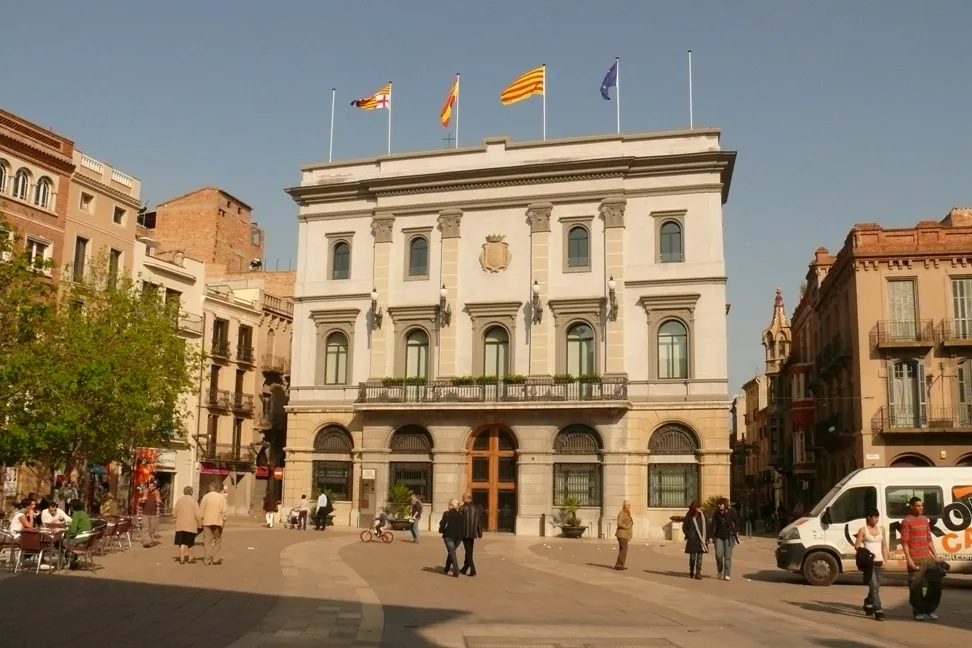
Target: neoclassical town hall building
[536,322]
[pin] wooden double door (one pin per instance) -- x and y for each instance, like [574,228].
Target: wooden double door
[491,475]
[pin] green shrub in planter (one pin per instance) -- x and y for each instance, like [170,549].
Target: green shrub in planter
[514,379]
[589,378]
[463,380]
[563,378]
[399,501]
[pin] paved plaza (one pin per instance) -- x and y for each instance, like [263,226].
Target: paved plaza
[281,587]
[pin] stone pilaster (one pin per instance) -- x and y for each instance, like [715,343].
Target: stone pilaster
[625,478]
[381,229]
[371,495]
[538,215]
[449,221]
[449,481]
[612,213]
[534,493]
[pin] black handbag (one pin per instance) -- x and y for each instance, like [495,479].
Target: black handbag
[864,559]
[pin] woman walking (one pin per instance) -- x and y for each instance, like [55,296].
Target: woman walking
[270,508]
[724,534]
[871,538]
[451,528]
[695,538]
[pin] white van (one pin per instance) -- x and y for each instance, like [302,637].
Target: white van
[821,545]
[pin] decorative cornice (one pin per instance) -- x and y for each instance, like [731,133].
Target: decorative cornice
[506,310]
[612,212]
[538,215]
[590,306]
[669,302]
[55,161]
[337,316]
[412,313]
[674,281]
[545,172]
[381,228]
[332,297]
[449,220]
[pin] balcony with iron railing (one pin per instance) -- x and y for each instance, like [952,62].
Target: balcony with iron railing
[241,402]
[512,390]
[270,363]
[217,398]
[220,349]
[190,324]
[244,355]
[225,453]
[915,420]
[903,334]
[271,421]
[955,332]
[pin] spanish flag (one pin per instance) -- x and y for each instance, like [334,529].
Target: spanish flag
[450,101]
[381,99]
[526,85]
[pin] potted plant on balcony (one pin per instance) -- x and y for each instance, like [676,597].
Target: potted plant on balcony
[571,527]
[399,507]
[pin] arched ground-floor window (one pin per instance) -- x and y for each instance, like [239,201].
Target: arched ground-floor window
[577,467]
[673,467]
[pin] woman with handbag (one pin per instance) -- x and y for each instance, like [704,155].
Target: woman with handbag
[696,543]
[872,554]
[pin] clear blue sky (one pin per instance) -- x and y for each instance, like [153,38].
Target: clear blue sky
[841,112]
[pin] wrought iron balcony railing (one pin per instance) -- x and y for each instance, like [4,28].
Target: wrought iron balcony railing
[220,349]
[527,390]
[225,453]
[955,332]
[244,354]
[190,323]
[275,364]
[902,333]
[893,420]
[241,402]
[219,398]
[835,351]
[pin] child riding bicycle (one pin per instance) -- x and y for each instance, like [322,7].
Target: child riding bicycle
[380,522]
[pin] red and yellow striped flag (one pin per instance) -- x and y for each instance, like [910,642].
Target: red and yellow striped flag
[450,101]
[526,85]
[381,99]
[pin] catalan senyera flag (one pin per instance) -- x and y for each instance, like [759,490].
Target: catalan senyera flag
[450,101]
[381,99]
[526,85]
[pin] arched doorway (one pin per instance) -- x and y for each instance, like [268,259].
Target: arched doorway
[491,475]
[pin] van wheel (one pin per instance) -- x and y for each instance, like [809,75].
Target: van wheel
[820,569]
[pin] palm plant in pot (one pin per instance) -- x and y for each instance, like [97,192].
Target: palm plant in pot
[399,507]
[571,527]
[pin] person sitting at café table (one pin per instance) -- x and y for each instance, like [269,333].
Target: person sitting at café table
[80,522]
[53,516]
[23,517]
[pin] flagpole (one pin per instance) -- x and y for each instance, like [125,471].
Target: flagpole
[458,90]
[389,116]
[330,139]
[691,117]
[544,101]
[617,89]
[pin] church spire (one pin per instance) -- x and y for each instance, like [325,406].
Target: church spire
[779,320]
[776,336]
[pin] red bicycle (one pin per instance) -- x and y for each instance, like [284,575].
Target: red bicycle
[370,534]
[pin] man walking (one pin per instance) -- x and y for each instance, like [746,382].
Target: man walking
[415,517]
[919,550]
[213,509]
[472,530]
[724,533]
[623,534]
[320,515]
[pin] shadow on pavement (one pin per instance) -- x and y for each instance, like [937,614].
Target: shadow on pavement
[85,611]
[900,612]
[839,643]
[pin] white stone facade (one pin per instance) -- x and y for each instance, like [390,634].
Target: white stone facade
[461,383]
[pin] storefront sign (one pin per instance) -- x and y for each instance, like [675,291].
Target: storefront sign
[166,460]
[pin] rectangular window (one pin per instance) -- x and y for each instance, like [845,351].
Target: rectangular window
[244,350]
[962,308]
[240,375]
[237,437]
[901,310]
[118,216]
[114,263]
[87,202]
[80,257]
[581,482]
[672,486]
[334,477]
[897,498]
[416,476]
[212,432]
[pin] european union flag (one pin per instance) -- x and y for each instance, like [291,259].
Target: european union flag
[610,81]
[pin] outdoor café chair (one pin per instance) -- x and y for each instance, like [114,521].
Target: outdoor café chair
[31,545]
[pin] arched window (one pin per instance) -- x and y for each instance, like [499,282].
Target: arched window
[417,354]
[418,257]
[42,193]
[670,244]
[336,359]
[412,445]
[21,186]
[577,466]
[496,352]
[673,467]
[578,248]
[580,350]
[333,475]
[4,173]
[672,350]
[341,260]
[906,394]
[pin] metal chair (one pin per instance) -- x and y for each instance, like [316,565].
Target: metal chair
[31,545]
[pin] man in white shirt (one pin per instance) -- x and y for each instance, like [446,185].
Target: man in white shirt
[320,516]
[53,516]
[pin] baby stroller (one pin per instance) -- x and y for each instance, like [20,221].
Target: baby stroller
[292,519]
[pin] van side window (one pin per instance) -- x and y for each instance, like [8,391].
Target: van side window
[853,504]
[897,500]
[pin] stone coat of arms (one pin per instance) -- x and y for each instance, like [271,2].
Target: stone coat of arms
[496,254]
